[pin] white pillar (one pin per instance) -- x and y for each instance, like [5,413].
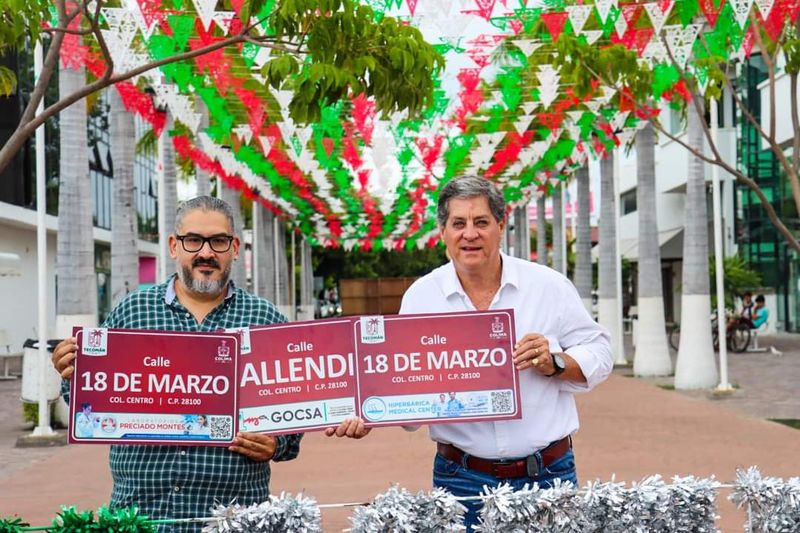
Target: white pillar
[43,428]
[719,255]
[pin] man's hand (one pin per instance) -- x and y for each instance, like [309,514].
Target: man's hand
[533,351]
[63,357]
[256,446]
[350,427]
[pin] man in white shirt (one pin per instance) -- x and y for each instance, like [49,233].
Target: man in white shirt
[560,351]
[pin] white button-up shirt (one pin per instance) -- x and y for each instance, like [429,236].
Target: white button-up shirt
[544,302]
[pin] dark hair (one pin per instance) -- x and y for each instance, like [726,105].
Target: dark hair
[205,203]
[760,299]
[470,187]
[747,293]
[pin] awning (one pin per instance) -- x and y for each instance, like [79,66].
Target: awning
[670,243]
[10,264]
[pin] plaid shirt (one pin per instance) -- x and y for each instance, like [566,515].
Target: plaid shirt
[185,481]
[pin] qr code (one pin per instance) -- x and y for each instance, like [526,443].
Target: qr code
[502,402]
[221,427]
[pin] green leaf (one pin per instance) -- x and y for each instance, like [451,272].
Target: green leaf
[8,81]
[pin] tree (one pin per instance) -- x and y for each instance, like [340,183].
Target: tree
[541,230]
[322,51]
[583,240]
[124,231]
[76,299]
[559,251]
[695,367]
[652,354]
[608,305]
[641,85]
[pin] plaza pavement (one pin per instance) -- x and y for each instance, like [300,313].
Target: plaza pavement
[631,428]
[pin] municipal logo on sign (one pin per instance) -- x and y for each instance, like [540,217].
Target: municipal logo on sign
[223,353]
[95,341]
[372,330]
[498,329]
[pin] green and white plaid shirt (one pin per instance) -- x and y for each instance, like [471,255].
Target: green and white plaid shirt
[170,482]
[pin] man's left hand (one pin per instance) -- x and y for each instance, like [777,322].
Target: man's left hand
[256,446]
[533,351]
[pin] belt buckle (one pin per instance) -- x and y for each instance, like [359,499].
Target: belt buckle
[531,466]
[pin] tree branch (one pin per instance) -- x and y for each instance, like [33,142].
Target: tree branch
[101,41]
[744,180]
[770,72]
[795,121]
[26,129]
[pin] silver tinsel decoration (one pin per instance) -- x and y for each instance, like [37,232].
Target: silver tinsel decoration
[283,514]
[693,503]
[604,507]
[557,510]
[398,510]
[772,504]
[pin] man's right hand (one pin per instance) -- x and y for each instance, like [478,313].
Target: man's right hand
[350,427]
[64,357]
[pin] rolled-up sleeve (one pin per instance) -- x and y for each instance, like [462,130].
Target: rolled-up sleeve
[586,341]
[287,447]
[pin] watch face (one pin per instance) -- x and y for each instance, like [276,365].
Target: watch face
[559,363]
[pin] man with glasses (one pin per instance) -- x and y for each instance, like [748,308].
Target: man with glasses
[174,482]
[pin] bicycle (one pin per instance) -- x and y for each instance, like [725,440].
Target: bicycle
[737,337]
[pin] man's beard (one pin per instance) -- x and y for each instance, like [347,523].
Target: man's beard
[204,286]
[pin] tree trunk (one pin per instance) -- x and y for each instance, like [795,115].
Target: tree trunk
[238,268]
[541,230]
[522,233]
[696,367]
[608,306]
[169,203]
[306,303]
[583,244]
[282,261]
[201,176]
[76,301]
[652,354]
[263,254]
[559,253]
[124,252]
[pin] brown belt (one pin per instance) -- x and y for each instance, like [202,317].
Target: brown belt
[500,468]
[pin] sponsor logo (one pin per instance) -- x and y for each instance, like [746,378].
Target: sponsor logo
[95,341]
[372,330]
[108,424]
[374,408]
[498,329]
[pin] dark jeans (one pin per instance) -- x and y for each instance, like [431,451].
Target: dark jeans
[461,481]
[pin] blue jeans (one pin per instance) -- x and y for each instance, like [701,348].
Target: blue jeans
[461,481]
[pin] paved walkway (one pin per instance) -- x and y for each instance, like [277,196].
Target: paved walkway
[630,429]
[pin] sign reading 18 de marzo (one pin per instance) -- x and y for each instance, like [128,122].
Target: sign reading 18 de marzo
[133,386]
[437,368]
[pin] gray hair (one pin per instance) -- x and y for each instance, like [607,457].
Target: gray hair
[470,187]
[204,203]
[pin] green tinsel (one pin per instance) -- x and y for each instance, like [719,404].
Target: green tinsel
[12,525]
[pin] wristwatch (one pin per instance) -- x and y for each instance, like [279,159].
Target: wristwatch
[558,363]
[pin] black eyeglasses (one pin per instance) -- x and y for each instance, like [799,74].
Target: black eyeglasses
[194,243]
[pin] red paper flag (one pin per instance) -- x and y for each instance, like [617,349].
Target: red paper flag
[555,23]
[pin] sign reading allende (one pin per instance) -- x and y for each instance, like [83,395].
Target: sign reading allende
[152,387]
[298,377]
[200,388]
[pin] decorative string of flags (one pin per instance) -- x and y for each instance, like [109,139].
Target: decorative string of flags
[355,180]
